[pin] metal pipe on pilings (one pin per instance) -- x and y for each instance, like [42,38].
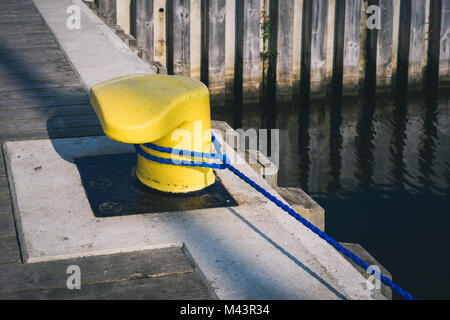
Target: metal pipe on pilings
[323,42]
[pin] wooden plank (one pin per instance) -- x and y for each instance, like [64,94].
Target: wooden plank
[195,43]
[46,112]
[5,202]
[144,26]
[297,38]
[104,268]
[319,15]
[444,56]
[45,102]
[172,287]
[338,58]
[251,50]
[285,48]
[124,16]
[36,71]
[29,42]
[178,48]
[305,76]
[44,92]
[51,133]
[2,171]
[216,48]
[352,46]
[43,77]
[25,30]
[51,123]
[417,43]
[160,31]
[11,86]
[4,186]
[7,227]
[384,45]
[230,47]
[15,14]
[35,21]
[433,36]
[108,10]
[404,39]
[9,250]
[395,40]
[27,55]
[237,100]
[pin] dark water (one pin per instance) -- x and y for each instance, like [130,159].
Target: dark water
[381,170]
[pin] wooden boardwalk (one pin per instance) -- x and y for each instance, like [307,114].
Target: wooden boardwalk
[42,97]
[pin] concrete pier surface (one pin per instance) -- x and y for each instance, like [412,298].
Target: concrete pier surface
[251,251]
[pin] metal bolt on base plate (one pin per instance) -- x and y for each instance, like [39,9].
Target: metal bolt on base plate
[113,190]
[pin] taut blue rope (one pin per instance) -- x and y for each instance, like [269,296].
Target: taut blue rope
[226,164]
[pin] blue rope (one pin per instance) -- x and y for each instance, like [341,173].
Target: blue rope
[226,164]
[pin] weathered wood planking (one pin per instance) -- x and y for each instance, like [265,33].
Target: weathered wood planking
[124,14]
[51,133]
[417,42]
[30,42]
[7,228]
[2,170]
[178,37]
[45,102]
[144,26]
[444,57]
[230,46]
[185,286]
[4,187]
[338,57]
[433,35]
[30,55]
[331,34]
[319,15]
[5,200]
[10,252]
[352,47]
[20,94]
[296,46]
[195,34]
[159,29]
[404,27]
[216,48]
[195,38]
[285,47]
[45,112]
[385,44]
[153,274]
[108,10]
[251,49]
[49,124]
[10,86]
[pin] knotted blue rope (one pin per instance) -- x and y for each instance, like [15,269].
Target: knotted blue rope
[226,164]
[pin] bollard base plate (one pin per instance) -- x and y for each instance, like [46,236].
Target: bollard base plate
[113,189]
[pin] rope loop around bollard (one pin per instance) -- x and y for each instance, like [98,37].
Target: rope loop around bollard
[226,164]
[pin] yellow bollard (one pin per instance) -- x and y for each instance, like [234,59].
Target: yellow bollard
[169,111]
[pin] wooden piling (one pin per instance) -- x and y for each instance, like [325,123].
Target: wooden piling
[444,56]
[319,44]
[143,13]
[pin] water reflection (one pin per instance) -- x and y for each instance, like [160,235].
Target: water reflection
[381,169]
